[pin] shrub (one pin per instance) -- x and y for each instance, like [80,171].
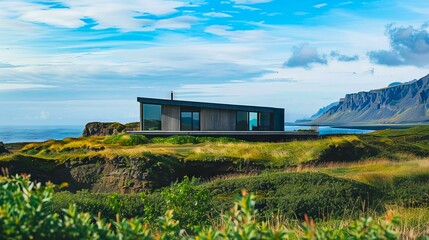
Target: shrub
[107,204]
[23,215]
[348,151]
[126,139]
[192,139]
[411,190]
[296,194]
[192,204]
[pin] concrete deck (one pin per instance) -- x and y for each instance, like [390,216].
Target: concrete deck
[264,136]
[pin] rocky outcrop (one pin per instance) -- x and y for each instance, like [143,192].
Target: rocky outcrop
[404,103]
[124,174]
[108,128]
[3,149]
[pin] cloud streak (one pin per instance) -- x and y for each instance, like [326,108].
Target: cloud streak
[251,1]
[320,5]
[126,15]
[17,86]
[343,58]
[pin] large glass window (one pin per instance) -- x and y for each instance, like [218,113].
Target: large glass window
[195,121]
[242,121]
[253,121]
[151,117]
[265,121]
[189,121]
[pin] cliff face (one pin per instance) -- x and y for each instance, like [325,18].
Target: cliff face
[405,103]
[108,128]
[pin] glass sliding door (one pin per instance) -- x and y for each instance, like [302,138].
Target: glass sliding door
[242,121]
[186,121]
[151,117]
[253,121]
[189,121]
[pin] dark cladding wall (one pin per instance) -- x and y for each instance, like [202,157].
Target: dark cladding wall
[170,118]
[212,119]
[279,120]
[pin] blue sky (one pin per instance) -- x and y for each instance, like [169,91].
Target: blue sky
[75,61]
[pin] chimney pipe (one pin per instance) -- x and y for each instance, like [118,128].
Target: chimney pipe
[172,96]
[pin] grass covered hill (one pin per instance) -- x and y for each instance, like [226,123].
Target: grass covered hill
[133,163]
[334,179]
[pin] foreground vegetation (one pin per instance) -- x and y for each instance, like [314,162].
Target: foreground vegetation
[24,214]
[333,180]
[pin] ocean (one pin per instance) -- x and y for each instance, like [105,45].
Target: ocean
[326,130]
[13,134]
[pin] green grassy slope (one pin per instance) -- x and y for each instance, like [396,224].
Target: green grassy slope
[332,179]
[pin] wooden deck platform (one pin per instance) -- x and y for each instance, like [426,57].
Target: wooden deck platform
[260,136]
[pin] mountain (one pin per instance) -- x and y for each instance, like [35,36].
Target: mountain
[324,110]
[402,103]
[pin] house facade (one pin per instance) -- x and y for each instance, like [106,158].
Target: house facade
[177,115]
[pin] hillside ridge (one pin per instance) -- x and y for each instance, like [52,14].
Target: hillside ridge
[404,103]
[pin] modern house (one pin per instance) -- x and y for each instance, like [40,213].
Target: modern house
[177,115]
[168,117]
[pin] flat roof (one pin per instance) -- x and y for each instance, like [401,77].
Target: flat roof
[207,105]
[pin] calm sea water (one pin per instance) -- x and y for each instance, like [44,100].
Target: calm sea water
[11,134]
[325,130]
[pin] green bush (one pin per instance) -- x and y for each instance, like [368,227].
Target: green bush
[348,151]
[126,139]
[24,215]
[192,139]
[411,190]
[192,204]
[296,194]
[107,204]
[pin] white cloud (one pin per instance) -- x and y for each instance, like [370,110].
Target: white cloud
[305,56]
[320,5]
[244,36]
[345,3]
[244,7]
[250,1]
[22,86]
[181,22]
[220,30]
[126,14]
[56,17]
[217,15]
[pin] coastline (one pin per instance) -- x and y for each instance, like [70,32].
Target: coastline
[365,126]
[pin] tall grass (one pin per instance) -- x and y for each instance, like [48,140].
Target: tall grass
[279,154]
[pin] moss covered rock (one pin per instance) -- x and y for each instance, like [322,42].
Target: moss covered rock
[107,128]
